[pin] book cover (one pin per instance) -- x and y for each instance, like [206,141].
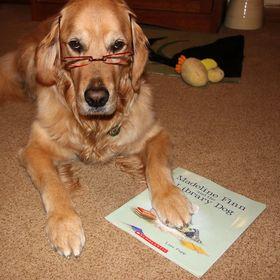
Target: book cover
[220,217]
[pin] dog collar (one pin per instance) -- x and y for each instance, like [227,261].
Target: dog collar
[114,131]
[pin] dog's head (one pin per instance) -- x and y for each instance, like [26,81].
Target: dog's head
[100,47]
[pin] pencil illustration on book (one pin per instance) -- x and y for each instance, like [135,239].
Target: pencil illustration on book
[219,217]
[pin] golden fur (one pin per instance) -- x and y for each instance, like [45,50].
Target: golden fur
[66,129]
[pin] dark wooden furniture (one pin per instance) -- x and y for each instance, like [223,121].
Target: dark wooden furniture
[41,9]
[15,1]
[196,15]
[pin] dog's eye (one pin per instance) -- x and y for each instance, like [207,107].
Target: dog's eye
[117,46]
[76,46]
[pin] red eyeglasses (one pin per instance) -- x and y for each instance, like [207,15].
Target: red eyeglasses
[71,62]
[123,58]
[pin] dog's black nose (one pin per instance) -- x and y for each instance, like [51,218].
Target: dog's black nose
[96,96]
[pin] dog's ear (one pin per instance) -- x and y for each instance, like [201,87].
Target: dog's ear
[140,46]
[47,55]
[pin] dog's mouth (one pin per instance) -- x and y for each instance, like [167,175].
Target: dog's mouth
[103,109]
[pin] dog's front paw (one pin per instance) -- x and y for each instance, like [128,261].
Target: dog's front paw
[172,207]
[65,233]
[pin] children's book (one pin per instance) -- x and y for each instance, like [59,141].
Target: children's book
[220,217]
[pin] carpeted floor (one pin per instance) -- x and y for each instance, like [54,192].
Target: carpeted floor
[229,133]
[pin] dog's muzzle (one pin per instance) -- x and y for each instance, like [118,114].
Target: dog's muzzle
[96,97]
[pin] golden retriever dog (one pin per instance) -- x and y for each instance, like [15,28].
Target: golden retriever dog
[85,67]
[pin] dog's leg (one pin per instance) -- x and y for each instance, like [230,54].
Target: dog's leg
[66,174]
[169,202]
[133,165]
[64,227]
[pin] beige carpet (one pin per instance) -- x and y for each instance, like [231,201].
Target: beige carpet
[229,133]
